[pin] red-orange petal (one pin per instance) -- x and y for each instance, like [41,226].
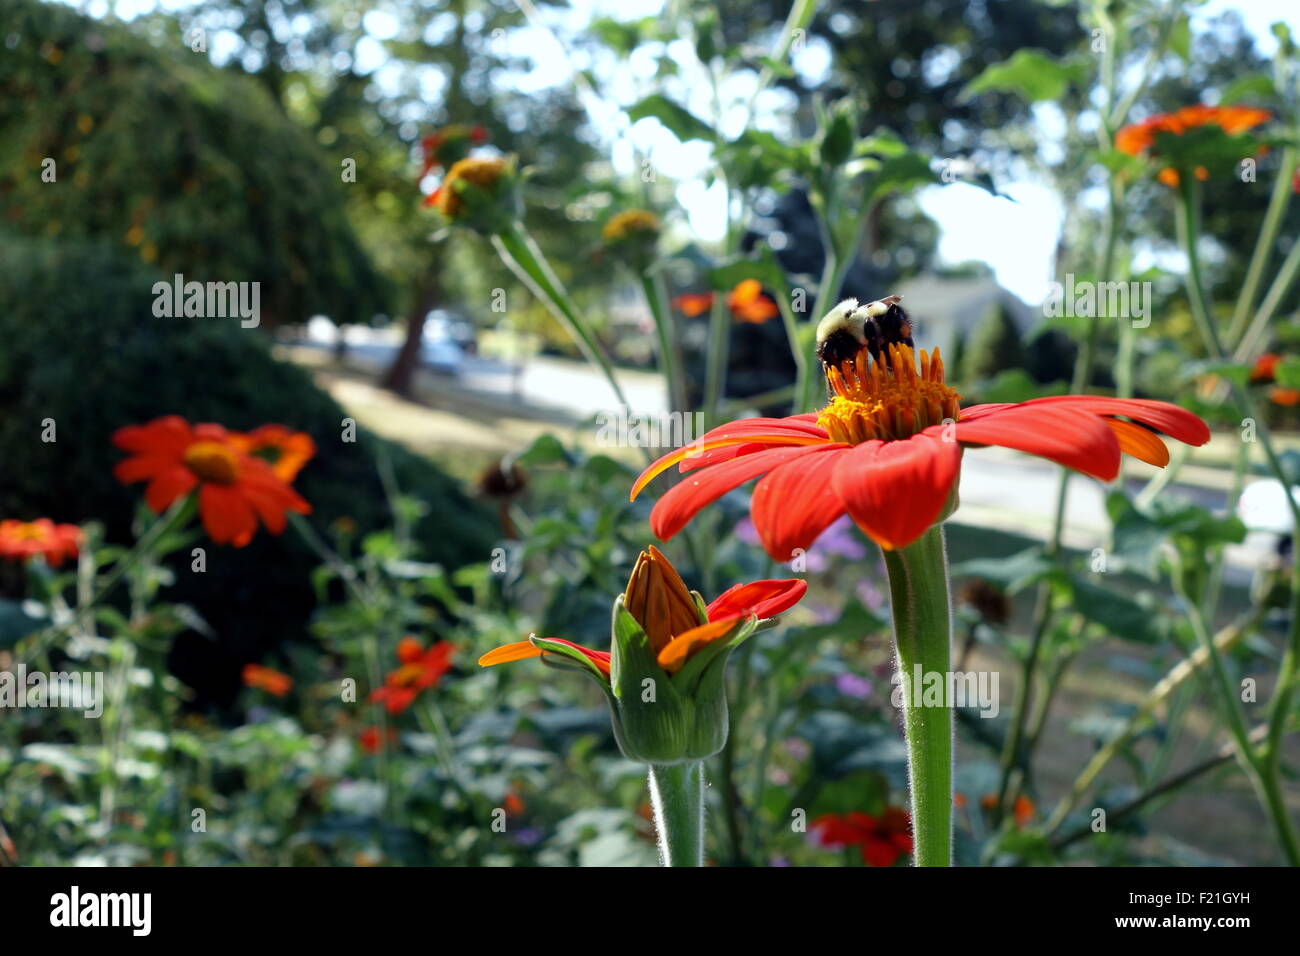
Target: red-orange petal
[684,500]
[896,490]
[1175,422]
[227,517]
[695,448]
[795,503]
[1073,437]
[763,599]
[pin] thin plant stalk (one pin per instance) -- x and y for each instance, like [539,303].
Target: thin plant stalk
[1266,762]
[677,798]
[918,584]
[523,257]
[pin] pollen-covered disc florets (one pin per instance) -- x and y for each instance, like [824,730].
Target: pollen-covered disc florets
[887,399]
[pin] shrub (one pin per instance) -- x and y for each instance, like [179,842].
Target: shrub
[80,346]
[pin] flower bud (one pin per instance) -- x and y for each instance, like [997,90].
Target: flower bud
[481,193]
[632,235]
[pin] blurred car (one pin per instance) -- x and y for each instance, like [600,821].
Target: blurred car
[442,355]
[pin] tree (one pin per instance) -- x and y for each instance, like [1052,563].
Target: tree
[185,167]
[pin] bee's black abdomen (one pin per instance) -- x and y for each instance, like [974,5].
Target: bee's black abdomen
[895,326]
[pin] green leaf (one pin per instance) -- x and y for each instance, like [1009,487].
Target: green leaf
[1013,573]
[843,745]
[1180,39]
[1288,372]
[900,174]
[545,450]
[1030,74]
[683,124]
[1119,614]
[726,276]
[1016,385]
[1236,372]
[1252,86]
[836,143]
[16,623]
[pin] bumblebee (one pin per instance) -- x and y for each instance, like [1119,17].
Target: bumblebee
[848,328]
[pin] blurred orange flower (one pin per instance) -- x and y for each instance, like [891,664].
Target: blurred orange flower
[1022,812]
[284,449]
[236,491]
[419,670]
[1138,138]
[1265,368]
[747,301]
[692,304]
[21,540]
[883,839]
[372,741]
[268,679]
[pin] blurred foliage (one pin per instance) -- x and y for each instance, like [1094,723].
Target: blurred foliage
[188,168]
[83,349]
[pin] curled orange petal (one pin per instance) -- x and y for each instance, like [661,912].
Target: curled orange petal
[672,657]
[1142,443]
[518,651]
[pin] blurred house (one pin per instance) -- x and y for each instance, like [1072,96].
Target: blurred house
[946,309]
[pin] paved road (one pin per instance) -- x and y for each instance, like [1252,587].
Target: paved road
[999,489]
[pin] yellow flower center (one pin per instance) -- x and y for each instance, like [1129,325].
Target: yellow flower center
[30,531]
[212,461]
[629,223]
[481,173]
[888,400]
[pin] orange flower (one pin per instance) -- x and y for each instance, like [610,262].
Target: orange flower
[1288,397]
[883,839]
[267,679]
[887,448]
[1138,138]
[21,540]
[372,741]
[471,182]
[660,602]
[748,303]
[1022,812]
[235,490]
[1264,370]
[514,804]
[693,304]
[284,449]
[420,669]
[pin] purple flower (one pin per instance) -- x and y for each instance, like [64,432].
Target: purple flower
[854,685]
[840,539]
[870,595]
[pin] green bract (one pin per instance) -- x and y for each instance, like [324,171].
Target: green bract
[659,718]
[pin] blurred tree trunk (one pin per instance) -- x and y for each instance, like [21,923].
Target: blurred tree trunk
[400,376]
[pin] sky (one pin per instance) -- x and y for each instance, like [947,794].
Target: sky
[1016,239]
